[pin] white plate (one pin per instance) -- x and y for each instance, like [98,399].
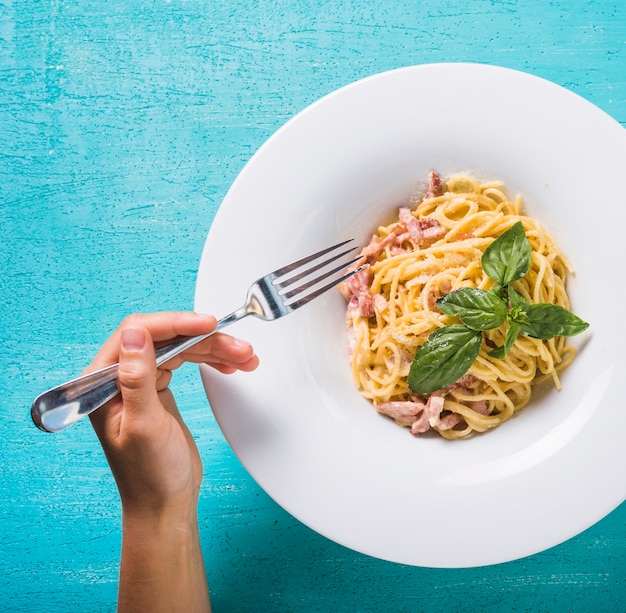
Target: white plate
[299,426]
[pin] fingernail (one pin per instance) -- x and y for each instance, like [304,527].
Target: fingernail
[241,344]
[133,340]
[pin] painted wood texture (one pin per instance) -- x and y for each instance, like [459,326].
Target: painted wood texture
[122,125]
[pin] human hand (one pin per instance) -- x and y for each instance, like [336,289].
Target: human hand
[151,452]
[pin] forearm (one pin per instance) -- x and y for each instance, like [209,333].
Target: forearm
[162,567]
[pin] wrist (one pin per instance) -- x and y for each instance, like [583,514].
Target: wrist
[150,504]
[180,517]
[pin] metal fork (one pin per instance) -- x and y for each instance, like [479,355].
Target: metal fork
[270,297]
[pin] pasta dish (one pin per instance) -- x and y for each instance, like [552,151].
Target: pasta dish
[431,250]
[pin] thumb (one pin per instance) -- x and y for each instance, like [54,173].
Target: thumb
[136,373]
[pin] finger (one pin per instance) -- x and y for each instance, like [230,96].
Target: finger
[228,369]
[224,368]
[164,378]
[219,348]
[245,365]
[225,347]
[136,378]
[161,326]
[137,373]
[167,325]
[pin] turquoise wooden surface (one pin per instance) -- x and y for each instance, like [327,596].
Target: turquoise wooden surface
[122,125]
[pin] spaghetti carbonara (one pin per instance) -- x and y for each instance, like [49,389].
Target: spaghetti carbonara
[430,251]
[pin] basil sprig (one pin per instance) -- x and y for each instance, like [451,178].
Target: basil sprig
[449,351]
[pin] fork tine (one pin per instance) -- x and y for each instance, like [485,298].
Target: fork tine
[283,283]
[286,294]
[295,265]
[305,299]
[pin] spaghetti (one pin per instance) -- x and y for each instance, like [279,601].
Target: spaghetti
[428,252]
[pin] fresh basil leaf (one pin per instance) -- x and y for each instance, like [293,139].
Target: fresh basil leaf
[508,257]
[499,290]
[547,320]
[509,338]
[516,299]
[445,357]
[476,308]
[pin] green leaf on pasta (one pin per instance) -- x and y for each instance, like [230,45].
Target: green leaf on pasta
[444,358]
[476,308]
[507,259]
[547,320]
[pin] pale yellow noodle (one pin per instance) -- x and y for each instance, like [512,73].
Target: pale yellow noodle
[474,214]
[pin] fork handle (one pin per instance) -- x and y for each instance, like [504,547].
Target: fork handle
[69,402]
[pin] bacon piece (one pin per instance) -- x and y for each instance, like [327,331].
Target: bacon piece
[412,225]
[377,245]
[421,230]
[435,293]
[356,290]
[431,417]
[366,304]
[464,382]
[380,302]
[433,233]
[403,412]
[361,281]
[435,185]
[421,425]
[357,283]
[480,406]
[398,250]
[449,421]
